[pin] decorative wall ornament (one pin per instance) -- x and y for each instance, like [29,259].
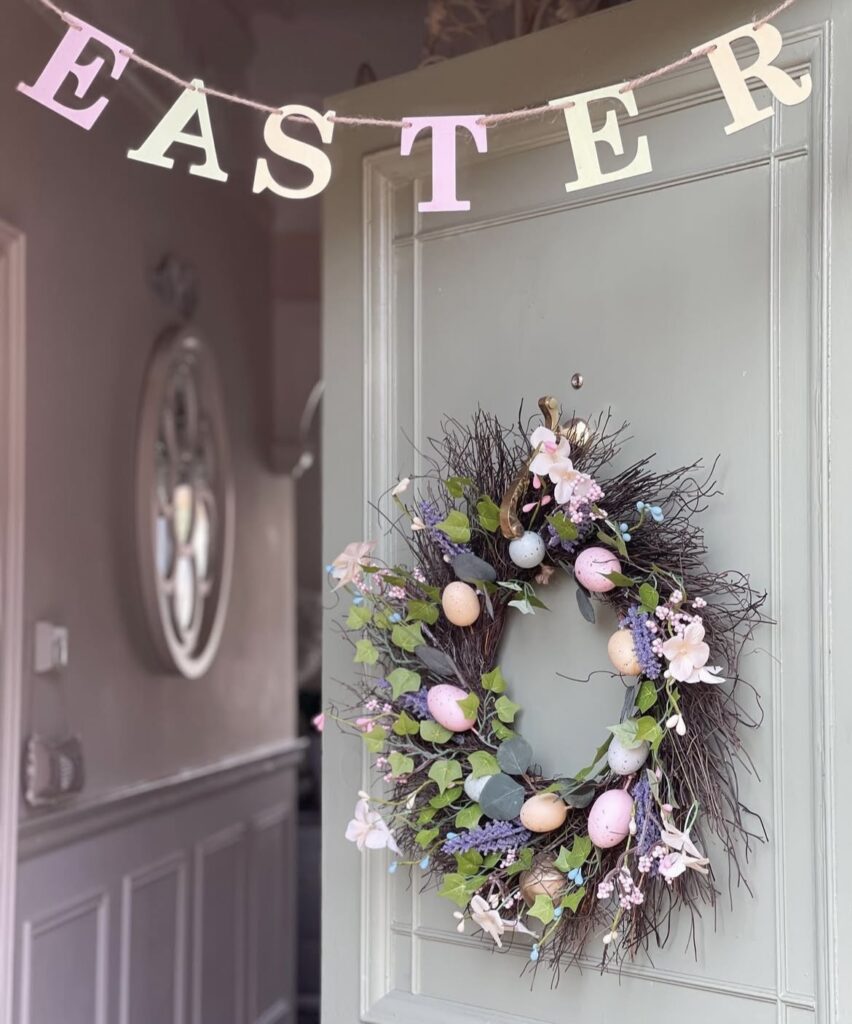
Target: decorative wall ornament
[608,852]
[185,503]
[191,107]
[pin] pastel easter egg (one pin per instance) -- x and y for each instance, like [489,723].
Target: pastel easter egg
[542,879]
[443,703]
[460,604]
[626,760]
[527,551]
[609,818]
[474,787]
[622,653]
[543,812]
[592,567]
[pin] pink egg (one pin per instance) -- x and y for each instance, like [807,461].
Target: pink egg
[609,818]
[592,567]
[443,703]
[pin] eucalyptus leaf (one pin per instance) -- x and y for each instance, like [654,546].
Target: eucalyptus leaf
[515,755]
[584,602]
[436,661]
[577,793]
[472,569]
[501,798]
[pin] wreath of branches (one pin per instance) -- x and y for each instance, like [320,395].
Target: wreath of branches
[468,837]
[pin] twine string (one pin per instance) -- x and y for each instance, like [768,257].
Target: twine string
[363,121]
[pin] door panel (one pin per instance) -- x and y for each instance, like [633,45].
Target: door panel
[694,302]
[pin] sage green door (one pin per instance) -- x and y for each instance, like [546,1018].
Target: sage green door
[706,302]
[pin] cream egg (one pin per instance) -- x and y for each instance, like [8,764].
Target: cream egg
[543,812]
[626,760]
[460,604]
[443,703]
[622,653]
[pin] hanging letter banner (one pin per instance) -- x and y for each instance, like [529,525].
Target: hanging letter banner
[589,144]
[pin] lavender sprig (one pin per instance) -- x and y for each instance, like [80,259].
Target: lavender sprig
[643,641]
[431,517]
[495,837]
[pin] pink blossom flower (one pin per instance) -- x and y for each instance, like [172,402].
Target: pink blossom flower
[550,449]
[349,564]
[318,721]
[368,830]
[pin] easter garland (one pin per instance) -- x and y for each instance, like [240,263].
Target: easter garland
[614,849]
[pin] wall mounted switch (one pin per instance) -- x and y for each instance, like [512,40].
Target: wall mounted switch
[51,647]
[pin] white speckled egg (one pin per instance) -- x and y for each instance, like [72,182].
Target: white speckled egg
[622,653]
[626,760]
[474,787]
[460,604]
[443,703]
[527,551]
[543,812]
[609,818]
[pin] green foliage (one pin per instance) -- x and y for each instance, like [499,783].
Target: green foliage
[468,817]
[506,709]
[405,725]
[434,733]
[636,731]
[423,611]
[456,526]
[542,909]
[501,798]
[523,862]
[402,681]
[375,738]
[365,653]
[488,513]
[619,579]
[614,540]
[459,889]
[501,731]
[456,485]
[574,899]
[576,857]
[407,636]
[494,681]
[565,529]
[514,755]
[469,706]
[483,764]
[647,696]
[401,764]
[425,836]
[444,774]
[649,597]
[445,799]
[426,814]
[469,863]
[359,616]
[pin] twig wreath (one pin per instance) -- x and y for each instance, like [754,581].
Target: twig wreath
[619,846]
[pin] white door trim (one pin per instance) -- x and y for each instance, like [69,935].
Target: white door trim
[12,482]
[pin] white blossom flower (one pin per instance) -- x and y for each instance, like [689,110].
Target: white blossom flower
[401,487]
[368,829]
[349,564]
[551,450]
[682,852]
[687,657]
[677,723]
[418,524]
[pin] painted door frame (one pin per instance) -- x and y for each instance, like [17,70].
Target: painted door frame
[12,488]
[360,448]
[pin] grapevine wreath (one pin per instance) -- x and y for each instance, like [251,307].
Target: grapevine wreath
[616,848]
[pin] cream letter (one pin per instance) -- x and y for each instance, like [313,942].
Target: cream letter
[191,103]
[734,80]
[584,139]
[283,145]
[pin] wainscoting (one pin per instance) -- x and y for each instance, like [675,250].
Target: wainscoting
[173,903]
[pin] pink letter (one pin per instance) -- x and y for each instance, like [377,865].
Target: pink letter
[444,155]
[64,63]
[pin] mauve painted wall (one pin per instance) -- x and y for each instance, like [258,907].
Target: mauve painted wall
[95,222]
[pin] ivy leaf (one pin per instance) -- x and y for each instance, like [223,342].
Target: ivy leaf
[445,799]
[469,862]
[501,731]
[542,908]
[375,738]
[584,603]
[483,764]
[365,653]
[402,681]
[501,798]
[522,863]
[426,815]
[647,696]
[565,529]
[625,733]
[468,817]
[574,899]
[405,725]
[576,857]
[494,681]
[444,774]
[616,542]
[381,620]
[359,616]
[455,887]
[456,526]
[514,755]
[648,730]
[488,513]
[423,611]
[400,764]
[649,597]
[469,706]
[425,836]
[619,579]
[506,709]
[456,485]
[434,733]
[407,636]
